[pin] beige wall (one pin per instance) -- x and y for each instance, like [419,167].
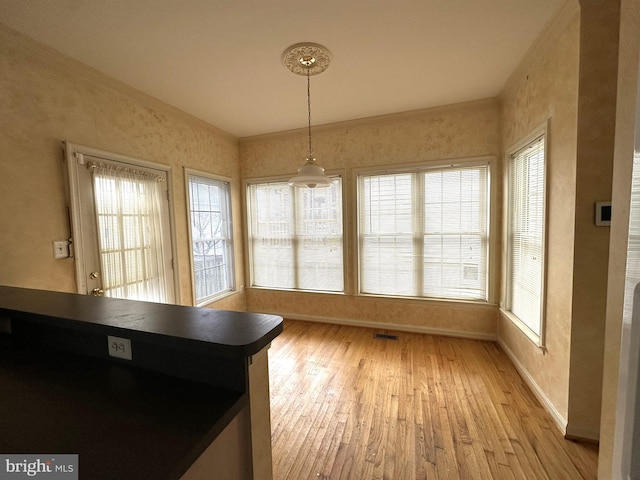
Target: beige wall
[569,79]
[544,88]
[599,32]
[47,98]
[458,131]
[627,105]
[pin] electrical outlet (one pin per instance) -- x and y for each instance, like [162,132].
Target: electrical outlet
[119,347]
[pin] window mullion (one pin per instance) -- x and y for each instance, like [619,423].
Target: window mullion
[418,232]
[295,241]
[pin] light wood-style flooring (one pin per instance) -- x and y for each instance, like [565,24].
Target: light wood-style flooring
[345,405]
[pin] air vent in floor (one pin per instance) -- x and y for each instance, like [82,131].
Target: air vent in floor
[385,336]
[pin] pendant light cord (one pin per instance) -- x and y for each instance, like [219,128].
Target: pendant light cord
[309,111]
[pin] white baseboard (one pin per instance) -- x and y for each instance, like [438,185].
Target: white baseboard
[557,417]
[389,326]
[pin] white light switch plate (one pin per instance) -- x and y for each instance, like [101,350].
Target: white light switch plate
[60,249]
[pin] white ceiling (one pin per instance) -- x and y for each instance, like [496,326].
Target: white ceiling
[220,59]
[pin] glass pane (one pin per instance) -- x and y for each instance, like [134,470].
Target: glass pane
[424,233]
[129,228]
[388,206]
[387,262]
[319,231]
[455,224]
[211,235]
[296,236]
[526,234]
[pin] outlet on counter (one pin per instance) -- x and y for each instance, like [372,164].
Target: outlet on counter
[119,347]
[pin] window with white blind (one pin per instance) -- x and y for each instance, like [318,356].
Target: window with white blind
[424,232]
[526,236]
[632,276]
[211,236]
[295,236]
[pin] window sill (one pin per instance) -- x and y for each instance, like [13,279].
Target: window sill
[295,290]
[215,298]
[526,331]
[387,298]
[432,300]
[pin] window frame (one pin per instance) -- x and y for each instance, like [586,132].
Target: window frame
[539,339]
[432,165]
[230,243]
[248,233]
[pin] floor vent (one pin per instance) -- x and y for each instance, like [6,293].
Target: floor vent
[385,336]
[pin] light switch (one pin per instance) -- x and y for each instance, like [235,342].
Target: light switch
[60,249]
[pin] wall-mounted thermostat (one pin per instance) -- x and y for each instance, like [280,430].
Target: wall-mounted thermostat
[603,214]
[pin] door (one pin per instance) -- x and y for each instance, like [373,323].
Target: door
[121,226]
[626,451]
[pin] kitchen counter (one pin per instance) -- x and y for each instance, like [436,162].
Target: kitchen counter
[194,373]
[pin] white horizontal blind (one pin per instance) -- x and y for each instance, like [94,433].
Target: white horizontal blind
[455,225]
[424,233]
[633,245]
[211,238]
[272,235]
[526,234]
[386,236]
[296,236]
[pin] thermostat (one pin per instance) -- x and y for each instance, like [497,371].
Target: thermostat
[603,214]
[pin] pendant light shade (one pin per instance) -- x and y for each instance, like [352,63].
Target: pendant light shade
[308,59]
[310,175]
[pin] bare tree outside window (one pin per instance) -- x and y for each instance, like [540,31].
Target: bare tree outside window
[210,237]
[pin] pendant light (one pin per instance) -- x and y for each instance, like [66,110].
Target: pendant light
[308,59]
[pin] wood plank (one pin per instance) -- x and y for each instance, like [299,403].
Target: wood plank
[348,406]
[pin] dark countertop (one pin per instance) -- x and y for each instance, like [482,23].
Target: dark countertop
[235,334]
[123,422]
[147,418]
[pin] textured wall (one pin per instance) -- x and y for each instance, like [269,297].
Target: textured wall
[457,131]
[543,88]
[46,98]
[599,36]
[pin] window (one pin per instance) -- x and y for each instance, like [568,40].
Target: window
[423,233]
[211,238]
[295,236]
[526,236]
[632,276]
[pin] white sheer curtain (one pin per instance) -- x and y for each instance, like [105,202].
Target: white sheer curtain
[130,234]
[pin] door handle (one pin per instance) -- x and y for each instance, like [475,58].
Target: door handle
[97,292]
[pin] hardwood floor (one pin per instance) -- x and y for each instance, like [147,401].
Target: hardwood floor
[346,405]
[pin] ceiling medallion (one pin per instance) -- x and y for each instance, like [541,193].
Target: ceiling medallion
[306,58]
